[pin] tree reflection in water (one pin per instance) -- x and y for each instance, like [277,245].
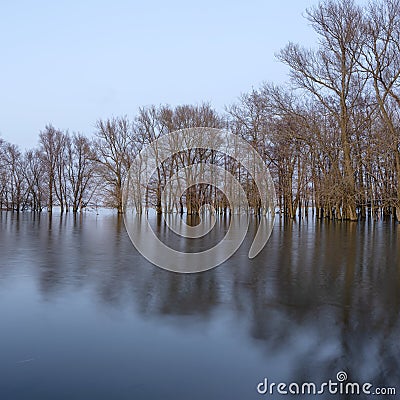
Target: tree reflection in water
[320,298]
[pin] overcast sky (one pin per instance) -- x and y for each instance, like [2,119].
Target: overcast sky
[71,62]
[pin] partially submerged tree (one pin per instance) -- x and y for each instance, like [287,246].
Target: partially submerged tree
[114,149]
[332,76]
[81,171]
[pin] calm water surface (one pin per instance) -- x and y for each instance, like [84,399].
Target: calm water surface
[84,316]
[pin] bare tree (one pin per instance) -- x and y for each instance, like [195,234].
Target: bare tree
[52,147]
[81,170]
[381,60]
[114,149]
[14,175]
[34,172]
[331,75]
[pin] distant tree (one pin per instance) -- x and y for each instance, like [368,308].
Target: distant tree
[14,176]
[114,149]
[34,172]
[152,123]
[52,148]
[3,175]
[81,171]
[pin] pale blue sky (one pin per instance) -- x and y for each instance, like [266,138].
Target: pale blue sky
[72,62]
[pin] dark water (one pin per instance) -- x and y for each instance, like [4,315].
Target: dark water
[84,316]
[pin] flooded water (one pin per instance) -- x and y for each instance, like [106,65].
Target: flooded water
[84,316]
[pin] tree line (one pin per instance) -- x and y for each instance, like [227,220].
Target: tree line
[331,135]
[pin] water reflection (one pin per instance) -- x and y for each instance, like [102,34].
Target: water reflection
[321,297]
